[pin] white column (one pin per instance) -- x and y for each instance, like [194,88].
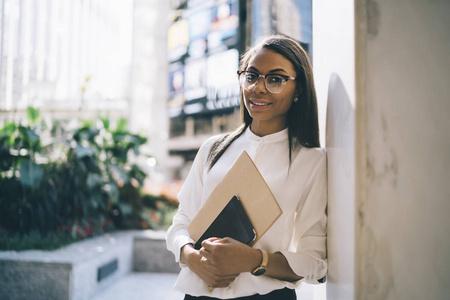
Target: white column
[403,249]
[334,74]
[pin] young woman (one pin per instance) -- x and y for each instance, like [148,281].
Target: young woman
[280,133]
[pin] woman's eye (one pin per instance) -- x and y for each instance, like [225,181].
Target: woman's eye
[251,77]
[275,79]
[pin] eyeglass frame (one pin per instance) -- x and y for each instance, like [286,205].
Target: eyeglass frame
[286,78]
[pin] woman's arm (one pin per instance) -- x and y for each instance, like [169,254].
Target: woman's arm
[228,256]
[189,198]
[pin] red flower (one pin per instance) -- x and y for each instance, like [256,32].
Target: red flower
[143,224]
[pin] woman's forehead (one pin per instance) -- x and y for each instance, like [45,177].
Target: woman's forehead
[266,60]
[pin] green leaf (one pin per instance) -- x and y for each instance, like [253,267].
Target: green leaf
[33,115]
[85,151]
[121,125]
[87,123]
[6,159]
[8,133]
[105,122]
[9,127]
[125,208]
[32,135]
[30,174]
[93,180]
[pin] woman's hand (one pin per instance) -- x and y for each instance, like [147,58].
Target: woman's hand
[228,256]
[196,263]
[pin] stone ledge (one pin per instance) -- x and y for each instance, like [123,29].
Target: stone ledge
[151,255]
[71,272]
[23,280]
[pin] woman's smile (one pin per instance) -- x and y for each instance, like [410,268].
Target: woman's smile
[258,104]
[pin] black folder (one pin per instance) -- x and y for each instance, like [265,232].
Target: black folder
[232,222]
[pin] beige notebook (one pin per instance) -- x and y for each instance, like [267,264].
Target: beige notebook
[244,180]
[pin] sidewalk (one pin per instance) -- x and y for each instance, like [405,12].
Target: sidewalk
[142,286]
[159,286]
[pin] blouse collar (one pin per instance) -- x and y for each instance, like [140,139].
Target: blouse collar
[270,138]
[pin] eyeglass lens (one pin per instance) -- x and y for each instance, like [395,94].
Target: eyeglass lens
[274,83]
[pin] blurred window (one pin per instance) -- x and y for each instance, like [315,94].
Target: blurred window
[65,54]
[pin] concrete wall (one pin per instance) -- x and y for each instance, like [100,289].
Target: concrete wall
[402,149]
[334,72]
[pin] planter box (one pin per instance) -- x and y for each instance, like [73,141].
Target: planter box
[150,254]
[79,271]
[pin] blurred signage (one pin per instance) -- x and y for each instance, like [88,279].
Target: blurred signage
[178,40]
[176,88]
[203,47]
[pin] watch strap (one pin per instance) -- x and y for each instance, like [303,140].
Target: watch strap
[263,266]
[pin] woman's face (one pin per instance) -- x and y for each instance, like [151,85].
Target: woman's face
[268,110]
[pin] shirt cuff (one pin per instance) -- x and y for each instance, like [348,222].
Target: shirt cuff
[313,270]
[180,242]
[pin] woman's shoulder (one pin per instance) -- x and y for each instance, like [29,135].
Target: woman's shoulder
[318,151]
[206,146]
[313,154]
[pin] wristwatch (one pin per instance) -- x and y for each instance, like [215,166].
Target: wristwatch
[263,267]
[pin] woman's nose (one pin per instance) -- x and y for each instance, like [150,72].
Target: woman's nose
[260,85]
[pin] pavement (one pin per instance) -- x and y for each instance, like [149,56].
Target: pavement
[159,286]
[142,286]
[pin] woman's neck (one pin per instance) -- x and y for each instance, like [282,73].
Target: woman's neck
[262,129]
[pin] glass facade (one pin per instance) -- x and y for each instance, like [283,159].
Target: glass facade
[204,45]
[64,54]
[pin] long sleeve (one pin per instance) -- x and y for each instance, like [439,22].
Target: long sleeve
[307,254]
[189,198]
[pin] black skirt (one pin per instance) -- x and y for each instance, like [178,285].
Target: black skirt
[283,294]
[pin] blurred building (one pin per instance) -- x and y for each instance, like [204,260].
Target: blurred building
[65,55]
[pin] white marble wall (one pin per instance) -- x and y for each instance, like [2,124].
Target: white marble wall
[403,142]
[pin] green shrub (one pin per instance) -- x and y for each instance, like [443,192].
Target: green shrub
[66,180]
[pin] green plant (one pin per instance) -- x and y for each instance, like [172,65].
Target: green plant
[21,176]
[77,180]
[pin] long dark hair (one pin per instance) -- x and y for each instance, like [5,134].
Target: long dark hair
[302,117]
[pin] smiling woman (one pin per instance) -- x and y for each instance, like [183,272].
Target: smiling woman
[280,133]
[269,108]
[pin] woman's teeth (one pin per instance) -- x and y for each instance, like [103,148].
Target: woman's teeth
[260,104]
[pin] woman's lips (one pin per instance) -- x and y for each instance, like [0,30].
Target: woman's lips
[257,104]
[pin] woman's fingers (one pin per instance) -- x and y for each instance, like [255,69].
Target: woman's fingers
[209,244]
[214,278]
[217,281]
[210,275]
[205,253]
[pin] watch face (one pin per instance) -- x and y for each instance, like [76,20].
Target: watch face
[259,271]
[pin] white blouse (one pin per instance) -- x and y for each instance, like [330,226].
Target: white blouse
[300,232]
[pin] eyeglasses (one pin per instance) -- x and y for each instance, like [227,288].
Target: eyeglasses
[274,83]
